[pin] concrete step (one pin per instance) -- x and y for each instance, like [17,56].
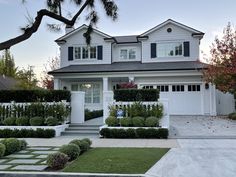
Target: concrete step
[83,125]
[83,131]
[82,128]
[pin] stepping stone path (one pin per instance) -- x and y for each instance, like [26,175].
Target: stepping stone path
[31,159]
[24,161]
[30,167]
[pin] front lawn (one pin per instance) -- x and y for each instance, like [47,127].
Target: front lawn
[117,160]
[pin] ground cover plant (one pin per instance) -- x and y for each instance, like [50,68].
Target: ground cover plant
[117,160]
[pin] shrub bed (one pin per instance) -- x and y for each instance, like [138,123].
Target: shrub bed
[93,114]
[232,116]
[134,133]
[84,144]
[136,95]
[23,96]
[27,133]
[57,160]
[71,150]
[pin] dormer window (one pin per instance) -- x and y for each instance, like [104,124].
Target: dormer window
[85,52]
[129,53]
[170,49]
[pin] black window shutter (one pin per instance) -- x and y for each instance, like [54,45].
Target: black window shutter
[100,52]
[70,54]
[186,49]
[153,50]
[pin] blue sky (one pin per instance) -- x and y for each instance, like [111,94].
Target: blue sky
[135,17]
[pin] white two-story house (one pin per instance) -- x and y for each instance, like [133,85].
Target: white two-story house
[165,57]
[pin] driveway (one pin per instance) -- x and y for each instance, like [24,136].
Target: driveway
[202,127]
[198,158]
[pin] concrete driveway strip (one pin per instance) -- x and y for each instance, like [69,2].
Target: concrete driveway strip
[197,161]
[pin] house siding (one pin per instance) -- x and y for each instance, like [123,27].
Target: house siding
[179,35]
[79,40]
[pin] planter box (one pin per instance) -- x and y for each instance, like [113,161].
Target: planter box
[58,129]
[106,126]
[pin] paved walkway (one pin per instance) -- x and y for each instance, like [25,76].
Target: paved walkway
[202,127]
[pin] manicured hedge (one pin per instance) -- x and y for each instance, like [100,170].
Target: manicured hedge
[93,114]
[33,95]
[27,133]
[136,95]
[134,133]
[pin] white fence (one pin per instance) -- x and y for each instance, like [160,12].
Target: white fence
[164,102]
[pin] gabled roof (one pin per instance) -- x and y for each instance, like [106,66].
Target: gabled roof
[80,28]
[131,67]
[194,31]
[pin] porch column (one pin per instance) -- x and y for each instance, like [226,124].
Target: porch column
[131,79]
[56,84]
[107,98]
[105,83]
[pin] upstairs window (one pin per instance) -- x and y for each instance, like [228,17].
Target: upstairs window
[85,52]
[128,54]
[170,49]
[148,87]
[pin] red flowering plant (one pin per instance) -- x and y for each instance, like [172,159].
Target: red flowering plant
[222,66]
[128,85]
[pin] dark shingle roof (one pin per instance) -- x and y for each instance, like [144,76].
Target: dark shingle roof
[126,39]
[131,67]
[7,83]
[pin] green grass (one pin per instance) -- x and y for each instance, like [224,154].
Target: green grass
[116,160]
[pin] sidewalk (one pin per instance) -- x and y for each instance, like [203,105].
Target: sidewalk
[97,142]
[198,158]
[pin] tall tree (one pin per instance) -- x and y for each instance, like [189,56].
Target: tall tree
[27,79]
[7,64]
[222,66]
[54,11]
[46,79]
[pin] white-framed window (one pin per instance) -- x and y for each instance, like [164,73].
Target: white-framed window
[92,92]
[194,88]
[177,88]
[170,49]
[163,88]
[85,52]
[129,53]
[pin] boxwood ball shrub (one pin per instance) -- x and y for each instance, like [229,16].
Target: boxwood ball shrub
[71,150]
[112,121]
[126,122]
[83,144]
[151,122]
[57,160]
[36,121]
[23,144]
[2,150]
[138,121]
[51,121]
[12,145]
[22,121]
[88,140]
[10,121]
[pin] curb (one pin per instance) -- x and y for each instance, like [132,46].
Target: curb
[62,174]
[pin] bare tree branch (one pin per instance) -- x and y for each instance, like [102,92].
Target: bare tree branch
[38,19]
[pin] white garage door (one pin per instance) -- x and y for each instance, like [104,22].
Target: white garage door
[183,99]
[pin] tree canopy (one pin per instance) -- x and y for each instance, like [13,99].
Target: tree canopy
[53,10]
[222,66]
